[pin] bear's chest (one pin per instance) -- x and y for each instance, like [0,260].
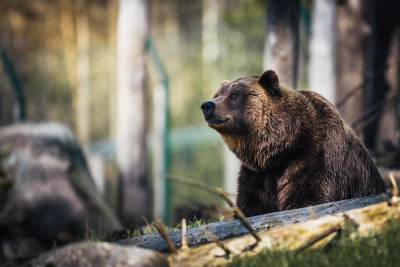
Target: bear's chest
[265,191]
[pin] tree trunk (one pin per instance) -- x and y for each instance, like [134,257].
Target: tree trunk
[282,40]
[381,18]
[68,36]
[210,33]
[349,59]
[112,13]
[83,73]
[210,56]
[322,53]
[19,107]
[131,110]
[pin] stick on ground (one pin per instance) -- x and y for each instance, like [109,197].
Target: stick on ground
[315,239]
[224,195]
[161,230]
[184,235]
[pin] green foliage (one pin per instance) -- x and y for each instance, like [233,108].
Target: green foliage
[207,161]
[374,251]
[48,92]
[242,36]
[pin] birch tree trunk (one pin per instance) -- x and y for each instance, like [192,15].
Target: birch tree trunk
[322,52]
[210,33]
[112,13]
[210,57]
[282,40]
[131,110]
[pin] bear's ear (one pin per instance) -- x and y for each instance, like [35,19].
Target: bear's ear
[224,82]
[270,82]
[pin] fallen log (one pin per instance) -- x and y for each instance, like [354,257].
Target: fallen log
[228,229]
[370,220]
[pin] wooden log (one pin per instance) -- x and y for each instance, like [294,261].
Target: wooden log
[294,238]
[228,229]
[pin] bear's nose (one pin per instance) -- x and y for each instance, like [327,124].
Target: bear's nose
[208,107]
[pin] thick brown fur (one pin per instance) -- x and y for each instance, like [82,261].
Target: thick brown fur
[295,148]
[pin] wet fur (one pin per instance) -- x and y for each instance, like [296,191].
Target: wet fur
[296,151]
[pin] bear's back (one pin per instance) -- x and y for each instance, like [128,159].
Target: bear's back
[349,167]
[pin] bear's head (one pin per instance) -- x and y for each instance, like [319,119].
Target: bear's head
[251,114]
[237,107]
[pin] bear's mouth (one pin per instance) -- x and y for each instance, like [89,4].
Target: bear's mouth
[216,121]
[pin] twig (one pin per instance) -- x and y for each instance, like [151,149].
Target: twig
[161,230]
[319,237]
[216,190]
[349,95]
[360,86]
[147,225]
[347,219]
[395,190]
[219,244]
[394,199]
[224,195]
[371,113]
[238,212]
[184,241]
[349,226]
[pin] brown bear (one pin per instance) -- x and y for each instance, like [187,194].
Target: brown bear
[295,149]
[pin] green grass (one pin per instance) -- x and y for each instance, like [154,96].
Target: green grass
[148,229]
[375,251]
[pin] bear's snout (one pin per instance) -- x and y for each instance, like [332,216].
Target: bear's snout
[208,108]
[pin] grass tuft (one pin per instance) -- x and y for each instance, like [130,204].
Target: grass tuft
[374,251]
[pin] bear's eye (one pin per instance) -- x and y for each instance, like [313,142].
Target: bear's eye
[234,95]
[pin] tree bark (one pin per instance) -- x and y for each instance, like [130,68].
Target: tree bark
[210,57]
[83,73]
[68,36]
[322,52]
[293,238]
[224,230]
[19,107]
[349,59]
[282,40]
[382,19]
[112,13]
[210,33]
[131,110]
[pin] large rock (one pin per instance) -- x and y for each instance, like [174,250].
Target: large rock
[46,189]
[100,254]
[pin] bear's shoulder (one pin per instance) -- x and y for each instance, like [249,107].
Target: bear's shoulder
[323,107]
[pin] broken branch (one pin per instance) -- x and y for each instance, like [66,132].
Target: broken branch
[161,230]
[224,195]
[319,237]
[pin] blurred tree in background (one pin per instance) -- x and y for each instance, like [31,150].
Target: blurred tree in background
[64,53]
[132,116]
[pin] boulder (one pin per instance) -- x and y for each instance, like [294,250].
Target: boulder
[46,190]
[100,254]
